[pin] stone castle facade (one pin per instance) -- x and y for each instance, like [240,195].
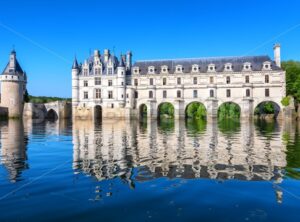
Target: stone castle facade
[13,87]
[108,87]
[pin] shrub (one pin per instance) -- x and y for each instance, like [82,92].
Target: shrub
[285,101]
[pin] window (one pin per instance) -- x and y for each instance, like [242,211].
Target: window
[109,71]
[110,94]
[151,81]
[266,79]
[110,82]
[195,93]
[195,80]
[136,94]
[247,92]
[164,81]
[179,81]
[211,79]
[97,81]
[211,93]
[97,71]
[98,93]
[150,94]
[164,94]
[112,105]
[151,70]
[85,72]
[135,82]
[267,92]
[178,94]
[228,93]
[85,83]
[247,79]
[85,95]
[227,79]
[127,96]
[122,83]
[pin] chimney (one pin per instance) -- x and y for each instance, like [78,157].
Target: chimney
[106,55]
[128,60]
[277,58]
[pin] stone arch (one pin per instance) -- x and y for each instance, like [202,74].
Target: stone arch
[228,110]
[52,115]
[143,111]
[98,112]
[267,109]
[189,111]
[165,110]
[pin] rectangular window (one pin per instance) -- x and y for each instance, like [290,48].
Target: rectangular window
[211,93]
[247,80]
[195,80]
[195,93]
[109,71]
[211,79]
[228,93]
[267,92]
[266,79]
[164,94]
[97,81]
[110,94]
[136,94]
[179,81]
[164,81]
[98,93]
[85,72]
[135,82]
[85,83]
[110,82]
[247,92]
[150,94]
[227,79]
[151,81]
[85,95]
[178,94]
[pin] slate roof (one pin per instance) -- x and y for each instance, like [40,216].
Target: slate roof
[17,71]
[219,62]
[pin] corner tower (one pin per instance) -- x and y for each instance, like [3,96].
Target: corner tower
[13,86]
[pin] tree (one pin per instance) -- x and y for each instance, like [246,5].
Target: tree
[292,69]
[196,110]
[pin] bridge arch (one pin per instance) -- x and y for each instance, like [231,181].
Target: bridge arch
[165,110]
[195,110]
[143,111]
[229,110]
[52,115]
[267,108]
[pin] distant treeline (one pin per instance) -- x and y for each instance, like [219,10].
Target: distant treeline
[45,99]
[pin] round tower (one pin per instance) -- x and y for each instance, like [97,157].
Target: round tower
[13,87]
[75,84]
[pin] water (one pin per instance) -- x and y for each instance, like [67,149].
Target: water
[167,171]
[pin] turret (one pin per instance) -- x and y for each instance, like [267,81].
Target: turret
[75,82]
[13,87]
[121,80]
[277,58]
[106,55]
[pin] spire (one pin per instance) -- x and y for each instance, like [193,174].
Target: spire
[75,64]
[121,63]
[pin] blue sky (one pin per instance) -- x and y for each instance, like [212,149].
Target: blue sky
[47,34]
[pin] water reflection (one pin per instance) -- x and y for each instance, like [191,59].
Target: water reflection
[13,148]
[142,151]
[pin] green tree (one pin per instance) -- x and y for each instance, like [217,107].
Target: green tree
[196,110]
[285,101]
[268,108]
[166,110]
[292,69]
[229,111]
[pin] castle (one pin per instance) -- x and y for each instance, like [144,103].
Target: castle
[108,87]
[13,87]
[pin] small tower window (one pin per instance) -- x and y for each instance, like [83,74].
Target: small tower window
[150,94]
[247,92]
[164,81]
[211,93]
[178,94]
[228,93]
[267,92]
[227,79]
[179,81]
[247,80]
[164,94]
[195,80]
[211,79]
[266,78]
[151,81]
[135,82]
[195,93]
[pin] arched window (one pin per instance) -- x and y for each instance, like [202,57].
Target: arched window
[211,93]
[178,94]
[150,94]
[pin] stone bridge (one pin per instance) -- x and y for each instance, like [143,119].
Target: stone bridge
[53,110]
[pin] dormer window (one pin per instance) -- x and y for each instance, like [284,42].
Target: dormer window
[109,71]
[247,66]
[267,66]
[178,69]
[195,68]
[228,67]
[211,67]
[151,70]
[85,72]
[136,70]
[164,69]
